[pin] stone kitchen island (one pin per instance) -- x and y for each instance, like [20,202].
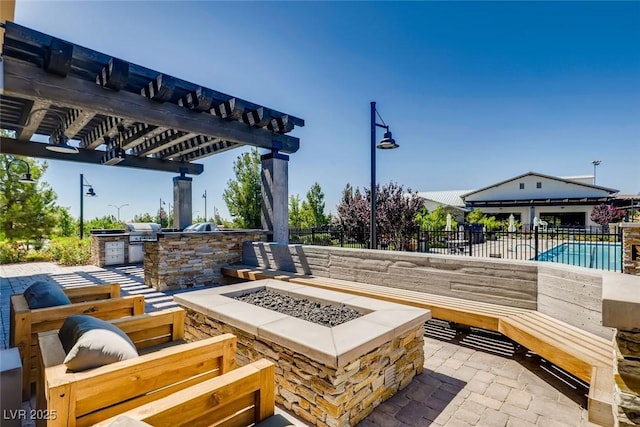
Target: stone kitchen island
[179,260]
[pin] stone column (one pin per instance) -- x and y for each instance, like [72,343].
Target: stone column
[630,247]
[182,201]
[275,195]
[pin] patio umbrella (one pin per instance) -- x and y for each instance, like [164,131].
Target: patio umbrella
[512,224]
[448,226]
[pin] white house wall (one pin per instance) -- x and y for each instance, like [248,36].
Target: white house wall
[551,189]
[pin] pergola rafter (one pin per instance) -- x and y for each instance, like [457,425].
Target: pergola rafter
[102,102]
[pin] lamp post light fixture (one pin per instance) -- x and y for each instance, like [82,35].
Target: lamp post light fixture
[386,143]
[90,193]
[58,141]
[595,164]
[26,177]
[118,208]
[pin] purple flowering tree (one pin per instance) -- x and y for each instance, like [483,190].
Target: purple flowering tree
[606,214]
[395,219]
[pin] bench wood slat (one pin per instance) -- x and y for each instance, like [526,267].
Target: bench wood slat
[598,352]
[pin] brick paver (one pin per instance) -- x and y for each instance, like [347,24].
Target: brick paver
[460,385]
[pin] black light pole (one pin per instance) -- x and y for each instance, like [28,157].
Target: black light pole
[90,193]
[386,143]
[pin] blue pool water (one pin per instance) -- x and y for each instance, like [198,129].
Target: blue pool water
[603,256]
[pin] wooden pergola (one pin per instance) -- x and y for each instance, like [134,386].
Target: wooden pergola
[119,113]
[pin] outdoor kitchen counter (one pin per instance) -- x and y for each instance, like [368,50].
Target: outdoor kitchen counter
[179,260]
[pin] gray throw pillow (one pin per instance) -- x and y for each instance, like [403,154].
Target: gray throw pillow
[91,343]
[45,294]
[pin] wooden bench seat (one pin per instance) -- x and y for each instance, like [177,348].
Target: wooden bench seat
[101,301]
[85,398]
[581,353]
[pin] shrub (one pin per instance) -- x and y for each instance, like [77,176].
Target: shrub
[70,250]
[12,252]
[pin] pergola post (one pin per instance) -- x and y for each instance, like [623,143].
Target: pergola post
[182,201]
[275,195]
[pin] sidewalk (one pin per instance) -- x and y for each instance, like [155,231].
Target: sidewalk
[471,378]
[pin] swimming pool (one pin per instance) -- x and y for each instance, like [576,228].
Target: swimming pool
[603,256]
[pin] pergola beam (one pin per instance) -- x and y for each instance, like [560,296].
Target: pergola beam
[35,149]
[32,118]
[27,81]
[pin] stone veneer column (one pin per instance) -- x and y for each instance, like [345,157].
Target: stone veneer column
[275,195]
[630,248]
[181,202]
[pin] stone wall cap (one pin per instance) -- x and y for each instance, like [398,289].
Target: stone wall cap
[629,225]
[620,300]
[335,347]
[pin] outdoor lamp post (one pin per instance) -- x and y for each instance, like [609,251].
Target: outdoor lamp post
[595,163]
[118,208]
[386,143]
[90,193]
[26,177]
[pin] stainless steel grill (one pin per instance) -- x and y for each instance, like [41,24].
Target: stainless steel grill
[142,232]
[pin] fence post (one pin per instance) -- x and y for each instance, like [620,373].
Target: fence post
[341,237]
[470,239]
[313,235]
[621,248]
[535,244]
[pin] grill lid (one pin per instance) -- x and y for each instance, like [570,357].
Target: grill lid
[143,228]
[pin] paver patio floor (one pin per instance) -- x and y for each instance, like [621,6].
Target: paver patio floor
[471,377]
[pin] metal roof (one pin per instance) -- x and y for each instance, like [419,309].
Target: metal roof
[101,103]
[448,198]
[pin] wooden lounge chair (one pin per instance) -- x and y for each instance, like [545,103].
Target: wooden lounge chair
[101,301]
[244,397]
[85,398]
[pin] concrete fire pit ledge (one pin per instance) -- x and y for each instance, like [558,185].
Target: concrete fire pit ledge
[335,347]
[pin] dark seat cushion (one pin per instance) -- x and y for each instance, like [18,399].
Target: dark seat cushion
[276,420]
[45,294]
[91,343]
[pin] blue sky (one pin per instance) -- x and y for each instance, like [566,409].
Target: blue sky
[475,92]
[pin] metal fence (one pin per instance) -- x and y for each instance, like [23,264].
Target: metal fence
[591,248]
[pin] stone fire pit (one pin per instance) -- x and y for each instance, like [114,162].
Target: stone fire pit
[327,376]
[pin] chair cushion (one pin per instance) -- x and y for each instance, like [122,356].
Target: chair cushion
[90,343]
[45,294]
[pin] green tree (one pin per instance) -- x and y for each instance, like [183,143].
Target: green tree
[144,217]
[312,210]
[475,216]
[295,215]
[490,223]
[66,225]
[434,220]
[27,211]
[106,222]
[242,195]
